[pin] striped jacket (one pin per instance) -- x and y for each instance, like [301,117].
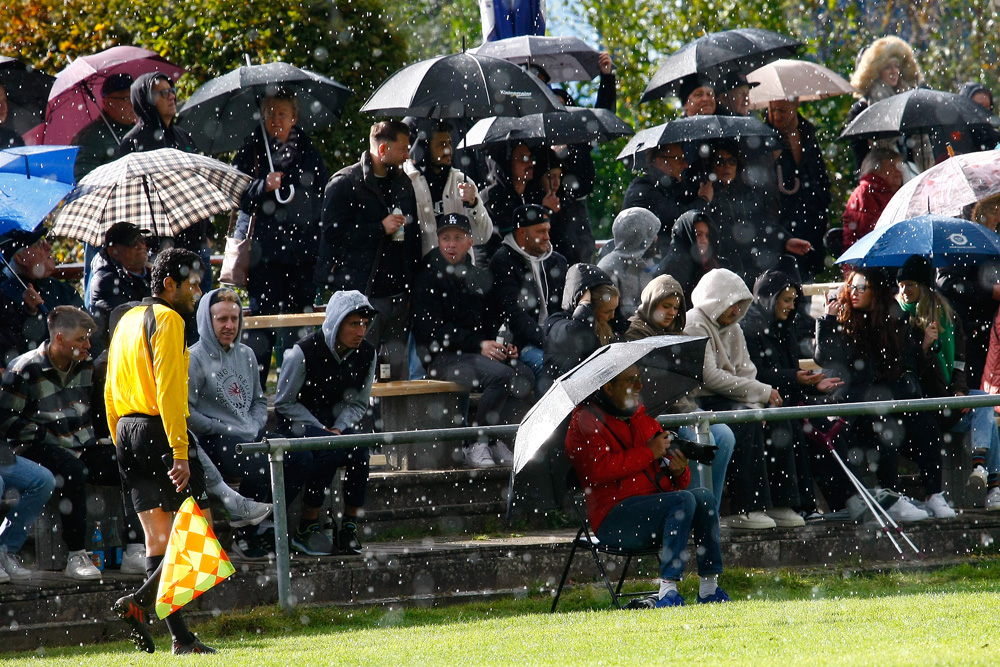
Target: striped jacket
[36,407]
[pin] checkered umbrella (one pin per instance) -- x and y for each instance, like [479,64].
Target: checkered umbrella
[164,191]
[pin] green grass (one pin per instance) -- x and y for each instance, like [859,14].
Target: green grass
[946,616]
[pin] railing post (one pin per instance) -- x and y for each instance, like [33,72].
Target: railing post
[276,454]
[704,437]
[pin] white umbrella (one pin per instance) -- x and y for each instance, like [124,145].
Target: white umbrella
[795,81]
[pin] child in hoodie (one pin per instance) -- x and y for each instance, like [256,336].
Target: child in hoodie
[630,269]
[719,301]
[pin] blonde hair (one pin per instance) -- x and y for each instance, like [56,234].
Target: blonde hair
[931,308]
[599,294]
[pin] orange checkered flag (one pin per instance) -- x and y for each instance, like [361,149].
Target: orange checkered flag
[194,561]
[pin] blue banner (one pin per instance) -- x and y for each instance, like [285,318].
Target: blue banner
[511,18]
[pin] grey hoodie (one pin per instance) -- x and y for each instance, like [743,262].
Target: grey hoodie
[635,231]
[293,369]
[224,392]
[537,272]
[728,370]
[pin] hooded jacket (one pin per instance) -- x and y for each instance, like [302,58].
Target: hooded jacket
[224,392]
[877,56]
[569,334]
[635,231]
[284,233]
[450,307]
[864,207]
[527,289]
[683,260]
[149,132]
[729,371]
[749,230]
[664,197]
[344,406]
[772,344]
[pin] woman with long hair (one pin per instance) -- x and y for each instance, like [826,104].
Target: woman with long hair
[866,341]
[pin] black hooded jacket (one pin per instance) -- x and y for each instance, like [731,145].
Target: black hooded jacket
[569,334]
[683,260]
[772,344]
[149,132]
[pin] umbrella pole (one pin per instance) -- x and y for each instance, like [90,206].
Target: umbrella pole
[868,500]
[107,121]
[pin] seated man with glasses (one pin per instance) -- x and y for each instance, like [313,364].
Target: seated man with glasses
[661,190]
[635,485]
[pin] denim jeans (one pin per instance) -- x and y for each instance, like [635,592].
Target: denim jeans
[722,437]
[667,519]
[985,435]
[531,357]
[35,484]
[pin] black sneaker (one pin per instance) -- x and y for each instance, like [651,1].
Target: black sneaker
[194,647]
[312,541]
[348,543]
[127,610]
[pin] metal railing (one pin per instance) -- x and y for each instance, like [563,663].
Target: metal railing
[275,448]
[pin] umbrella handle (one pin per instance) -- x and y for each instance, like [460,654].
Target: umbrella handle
[270,163]
[291,194]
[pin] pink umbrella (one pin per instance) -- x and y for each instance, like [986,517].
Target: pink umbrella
[75,99]
[947,188]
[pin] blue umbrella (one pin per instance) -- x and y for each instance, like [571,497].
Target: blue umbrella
[33,179]
[944,241]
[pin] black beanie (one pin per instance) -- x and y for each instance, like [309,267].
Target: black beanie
[917,269]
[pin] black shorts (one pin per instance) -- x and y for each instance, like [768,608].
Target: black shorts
[145,458]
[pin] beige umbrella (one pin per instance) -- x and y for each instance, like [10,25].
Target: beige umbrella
[795,81]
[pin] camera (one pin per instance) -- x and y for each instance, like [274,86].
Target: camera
[694,451]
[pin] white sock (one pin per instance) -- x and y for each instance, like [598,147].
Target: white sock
[667,585]
[81,552]
[707,585]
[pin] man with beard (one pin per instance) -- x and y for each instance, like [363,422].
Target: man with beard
[369,240]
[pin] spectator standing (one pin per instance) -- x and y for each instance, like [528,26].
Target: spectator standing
[881,176]
[324,386]
[512,169]
[286,233]
[636,487]
[629,266]
[8,137]
[371,240]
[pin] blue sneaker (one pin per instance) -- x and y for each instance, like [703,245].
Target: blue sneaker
[718,596]
[671,599]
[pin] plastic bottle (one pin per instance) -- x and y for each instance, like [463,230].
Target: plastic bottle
[399,234]
[113,545]
[97,550]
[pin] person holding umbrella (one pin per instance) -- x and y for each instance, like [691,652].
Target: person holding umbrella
[637,488]
[99,140]
[286,226]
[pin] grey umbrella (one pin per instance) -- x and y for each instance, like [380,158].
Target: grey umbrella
[576,125]
[540,465]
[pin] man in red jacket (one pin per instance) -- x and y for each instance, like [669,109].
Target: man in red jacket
[636,483]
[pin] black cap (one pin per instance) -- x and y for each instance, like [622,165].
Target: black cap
[918,269]
[116,83]
[123,233]
[18,240]
[530,215]
[690,83]
[446,220]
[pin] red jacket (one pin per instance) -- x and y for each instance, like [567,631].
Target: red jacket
[608,472]
[864,207]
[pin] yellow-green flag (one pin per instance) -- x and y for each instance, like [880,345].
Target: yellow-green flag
[194,561]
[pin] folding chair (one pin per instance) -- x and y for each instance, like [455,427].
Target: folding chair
[585,539]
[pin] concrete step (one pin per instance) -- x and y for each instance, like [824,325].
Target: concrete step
[50,610]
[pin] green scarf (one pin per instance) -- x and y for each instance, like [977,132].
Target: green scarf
[946,341]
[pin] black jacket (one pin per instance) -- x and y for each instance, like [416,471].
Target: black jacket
[354,250]
[111,286]
[516,294]
[749,231]
[772,344]
[969,289]
[287,233]
[683,261]
[569,334]
[451,307]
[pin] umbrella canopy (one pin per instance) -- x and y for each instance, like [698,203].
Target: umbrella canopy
[33,180]
[76,100]
[577,125]
[540,465]
[562,58]
[944,241]
[27,91]
[164,191]
[917,111]
[717,55]
[751,133]
[795,81]
[946,189]
[224,111]
[462,85]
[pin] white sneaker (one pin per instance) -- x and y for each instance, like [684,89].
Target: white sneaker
[501,453]
[134,559]
[12,566]
[785,517]
[248,512]
[938,507]
[993,499]
[79,566]
[904,510]
[977,478]
[4,577]
[750,521]
[478,456]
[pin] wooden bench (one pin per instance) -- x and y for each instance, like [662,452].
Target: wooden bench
[420,404]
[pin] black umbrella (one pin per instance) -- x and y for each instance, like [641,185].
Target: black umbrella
[577,125]
[750,133]
[27,94]
[540,466]
[918,111]
[562,58]
[462,85]
[224,111]
[717,55]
